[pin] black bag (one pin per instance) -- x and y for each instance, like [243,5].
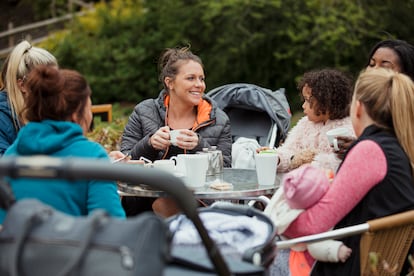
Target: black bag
[38,240]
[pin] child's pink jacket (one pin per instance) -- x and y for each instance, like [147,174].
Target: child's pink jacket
[307,135]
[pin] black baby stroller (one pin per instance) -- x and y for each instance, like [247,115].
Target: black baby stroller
[254,112]
[39,240]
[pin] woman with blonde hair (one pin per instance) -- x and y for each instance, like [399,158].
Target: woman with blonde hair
[375,178]
[23,58]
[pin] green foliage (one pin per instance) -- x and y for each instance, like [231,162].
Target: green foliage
[44,9]
[266,42]
[391,18]
[112,60]
[271,43]
[109,134]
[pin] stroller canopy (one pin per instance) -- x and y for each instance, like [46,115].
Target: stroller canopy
[254,112]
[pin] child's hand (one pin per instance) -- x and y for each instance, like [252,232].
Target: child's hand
[258,150]
[300,158]
[343,253]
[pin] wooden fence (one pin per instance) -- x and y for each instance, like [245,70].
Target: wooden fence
[37,31]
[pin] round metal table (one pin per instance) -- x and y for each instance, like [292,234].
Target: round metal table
[244,183]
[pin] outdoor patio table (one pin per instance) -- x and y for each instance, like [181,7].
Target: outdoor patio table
[244,183]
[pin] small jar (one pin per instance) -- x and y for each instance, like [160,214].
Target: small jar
[215,160]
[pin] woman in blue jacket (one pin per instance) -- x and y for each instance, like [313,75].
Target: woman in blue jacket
[58,108]
[17,66]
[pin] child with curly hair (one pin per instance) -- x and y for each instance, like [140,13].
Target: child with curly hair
[326,95]
[375,178]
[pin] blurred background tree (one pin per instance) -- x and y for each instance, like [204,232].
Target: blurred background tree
[266,42]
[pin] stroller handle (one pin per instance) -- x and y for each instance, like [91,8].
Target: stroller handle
[45,167]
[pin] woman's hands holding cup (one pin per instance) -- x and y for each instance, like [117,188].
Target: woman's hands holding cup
[160,140]
[343,144]
[184,138]
[340,139]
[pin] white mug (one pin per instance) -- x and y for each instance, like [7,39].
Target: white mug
[179,163]
[165,164]
[196,166]
[173,136]
[333,133]
[266,167]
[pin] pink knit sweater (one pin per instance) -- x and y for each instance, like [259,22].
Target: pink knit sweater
[307,135]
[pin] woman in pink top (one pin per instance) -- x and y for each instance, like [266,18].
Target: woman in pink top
[376,177]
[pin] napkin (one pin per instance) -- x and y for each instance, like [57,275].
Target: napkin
[221,185]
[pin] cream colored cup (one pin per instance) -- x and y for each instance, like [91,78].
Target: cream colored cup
[196,166]
[333,133]
[173,136]
[165,164]
[179,163]
[266,166]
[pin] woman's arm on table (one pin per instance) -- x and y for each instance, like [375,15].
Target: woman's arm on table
[364,167]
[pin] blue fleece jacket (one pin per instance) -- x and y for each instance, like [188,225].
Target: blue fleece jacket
[63,139]
[8,130]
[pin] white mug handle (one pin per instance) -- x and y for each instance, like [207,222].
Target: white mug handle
[174,158]
[335,144]
[147,162]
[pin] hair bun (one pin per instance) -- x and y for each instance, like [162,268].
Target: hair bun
[45,80]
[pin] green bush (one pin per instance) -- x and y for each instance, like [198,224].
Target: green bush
[109,134]
[270,43]
[112,60]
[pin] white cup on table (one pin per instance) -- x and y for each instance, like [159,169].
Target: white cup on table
[196,166]
[165,164]
[179,163]
[266,166]
[333,133]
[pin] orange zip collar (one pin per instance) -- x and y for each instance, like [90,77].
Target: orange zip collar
[203,113]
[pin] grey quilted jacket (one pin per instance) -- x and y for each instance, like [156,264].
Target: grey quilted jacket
[149,115]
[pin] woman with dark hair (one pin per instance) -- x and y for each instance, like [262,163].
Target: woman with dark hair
[58,108]
[394,54]
[397,55]
[181,105]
